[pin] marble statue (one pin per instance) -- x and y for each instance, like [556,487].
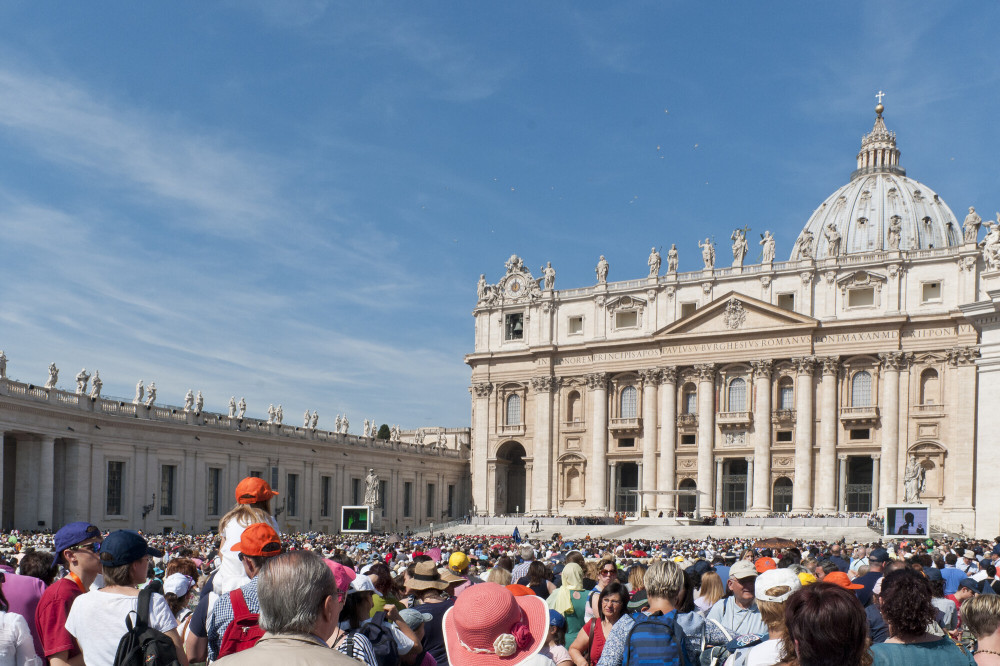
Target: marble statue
[96,386]
[199,402]
[232,407]
[346,424]
[188,400]
[82,378]
[366,429]
[374,430]
[971,226]
[707,253]
[442,440]
[991,245]
[279,415]
[672,258]
[3,365]
[501,497]
[394,433]
[151,394]
[336,423]
[306,418]
[372,490]
[315,420]
[514,265]
[740,246]
[549,276]
[270,413]
[243,408]
[602,270]
[832,239]
[139,392]
[53,376]
[914,478]
[767,245]
[895,229]
[482,287]
[653,262]
[805,243]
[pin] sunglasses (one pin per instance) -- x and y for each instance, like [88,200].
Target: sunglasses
[91,547]
[607,572]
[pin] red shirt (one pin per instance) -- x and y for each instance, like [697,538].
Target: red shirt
[595,629]
[50,618]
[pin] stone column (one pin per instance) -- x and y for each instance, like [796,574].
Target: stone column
[666,470]
[46,481]
[539,497]
[749,489]
[875,480]
[826,500]
[761,491]
[802,488]
[647,478]
[597,498]
[842,502]
[613,471]
[480,447]
[718,484]
[889,478]
[706,434]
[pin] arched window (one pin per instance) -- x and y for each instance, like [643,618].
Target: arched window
[573,414]
[737,399]
[781,499]
[514,410]
[929,387]
[861,389]
[686,503]
[786,393]
[690,404]
[630,402]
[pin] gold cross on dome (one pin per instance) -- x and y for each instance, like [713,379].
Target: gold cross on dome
[880,95]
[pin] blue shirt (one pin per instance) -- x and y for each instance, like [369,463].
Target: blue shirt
[952,577]
[723,571]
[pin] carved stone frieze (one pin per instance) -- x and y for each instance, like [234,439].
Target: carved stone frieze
[762,368]
[482,390]
[545,384]
[967,263]
[668,375]
[735,316]
[830,276]
[804,365]
[894,360]
[670,291]
[765,281]
[830,365]
[650,375]
[963,355]
[706,287]
[705,372]
[687,463]
[597,380]
[807,277]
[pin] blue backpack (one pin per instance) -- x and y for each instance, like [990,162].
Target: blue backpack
[655,640]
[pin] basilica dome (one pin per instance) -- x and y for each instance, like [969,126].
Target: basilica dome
[880,209]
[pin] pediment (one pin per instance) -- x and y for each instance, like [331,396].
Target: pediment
[736,313]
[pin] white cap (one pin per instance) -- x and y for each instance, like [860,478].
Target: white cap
[178,584]
[776,578]
[362,584]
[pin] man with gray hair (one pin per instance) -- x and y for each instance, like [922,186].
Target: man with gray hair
[299,608]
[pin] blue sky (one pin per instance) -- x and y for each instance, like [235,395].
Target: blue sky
[292,201]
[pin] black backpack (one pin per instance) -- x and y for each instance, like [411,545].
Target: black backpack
[382,640]
[142,645]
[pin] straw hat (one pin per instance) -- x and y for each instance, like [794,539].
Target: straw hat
[489,626]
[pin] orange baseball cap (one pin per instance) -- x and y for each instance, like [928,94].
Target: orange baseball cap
[259,540]
[841,579]
[252,490]
[520,590]
[764,564]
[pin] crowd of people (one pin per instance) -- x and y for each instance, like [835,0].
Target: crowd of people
[251,595]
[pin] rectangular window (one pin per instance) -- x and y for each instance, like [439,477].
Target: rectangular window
[430,500]
[451,500]
[214,489]
[689,439]
[626,442]
[786,301]
[168,477]
[786,397]
[931,292]
[292,495]
[256,473]
[325,484]
[407,499]
[861,298]
[274,478]
[383,488]
[690,402]
[576,325]
[629,319]
[861,433]
[688,309]
[514,326]
[784,436]
[116,478]
[356,492]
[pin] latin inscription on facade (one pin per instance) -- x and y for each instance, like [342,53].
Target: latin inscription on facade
[736,345]
[863,336]
[609,356]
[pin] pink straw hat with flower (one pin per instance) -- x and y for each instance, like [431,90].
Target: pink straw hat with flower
[489,626]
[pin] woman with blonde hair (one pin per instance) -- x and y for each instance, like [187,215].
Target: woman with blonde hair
[711,590]
[498,575]
[981,615]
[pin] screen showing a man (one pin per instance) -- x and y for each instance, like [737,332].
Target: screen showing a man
[906,521]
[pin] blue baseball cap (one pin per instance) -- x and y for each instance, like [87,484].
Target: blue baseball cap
[556,619]
[72,534]
[125,547]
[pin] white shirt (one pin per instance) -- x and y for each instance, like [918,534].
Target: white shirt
[767,653]
[97,621]
[16,646]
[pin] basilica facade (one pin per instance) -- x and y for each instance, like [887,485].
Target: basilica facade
[847,378]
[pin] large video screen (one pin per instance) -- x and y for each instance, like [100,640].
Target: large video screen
[903,520]
[354,519]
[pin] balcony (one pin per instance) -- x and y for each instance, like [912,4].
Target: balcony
[574,426]
[927,410]
[511,430]
[687,421]
[731,420]
[783,417]
[859,416]
[633,424]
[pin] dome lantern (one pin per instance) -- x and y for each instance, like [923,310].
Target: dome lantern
[878,149]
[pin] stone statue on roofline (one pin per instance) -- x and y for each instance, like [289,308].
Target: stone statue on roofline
[151,394]
[270,413]
[139,392]
[346,424]
[767,245]
[3,365]
[833,239]
[548,276]
[95,386]
[315,420]
[53,376]
[199,402]
[970,227]
[279,415]
[189,400]
[82,379]
[653,262]
[740,246]
[243,408]
[232,407]
[895,232]
[707,253]
[991,245]
[602,270]
[805,244]
[672,258]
